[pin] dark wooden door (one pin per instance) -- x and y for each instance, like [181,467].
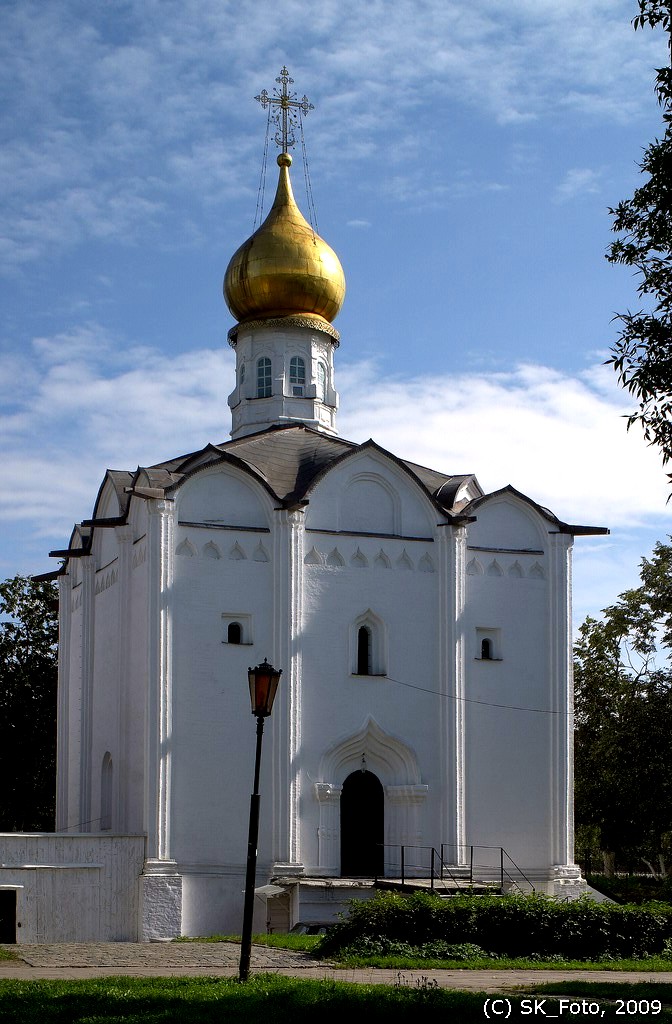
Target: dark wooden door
[7,915]
[362,825]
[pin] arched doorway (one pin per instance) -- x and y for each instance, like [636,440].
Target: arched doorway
[362,825]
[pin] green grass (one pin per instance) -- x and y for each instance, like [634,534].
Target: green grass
[610,1001]
[275,999]
[651,964]
[607,989]
[307,944]
[7,954]
[213,1001]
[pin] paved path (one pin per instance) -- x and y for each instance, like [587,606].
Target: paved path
[68,960]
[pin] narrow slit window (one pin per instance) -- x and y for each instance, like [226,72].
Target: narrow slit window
[363,651]
[234,633]
[264,380]
[486,649]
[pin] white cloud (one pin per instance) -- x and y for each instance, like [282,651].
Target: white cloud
[100,121]
[558,438]
[84,407]
[88,402]
[578,181]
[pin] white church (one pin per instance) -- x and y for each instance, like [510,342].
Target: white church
[423,629]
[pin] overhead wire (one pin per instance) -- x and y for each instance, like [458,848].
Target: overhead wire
[259,211]
[474,700]
[312,212]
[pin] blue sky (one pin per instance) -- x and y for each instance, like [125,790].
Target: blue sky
[463,156]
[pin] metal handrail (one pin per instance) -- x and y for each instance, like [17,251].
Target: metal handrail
[434,875]
[502,870]
[444,868]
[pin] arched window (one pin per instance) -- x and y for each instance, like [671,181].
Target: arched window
[321,381]
[368,645]
[363,651]
[297,375]
[264,380]
[488,644]
[234,633]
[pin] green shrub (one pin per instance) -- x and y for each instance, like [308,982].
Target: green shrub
[514,926]
[633,888]
[440,950]
[366,945]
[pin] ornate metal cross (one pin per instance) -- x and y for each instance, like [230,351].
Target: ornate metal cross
[288,108]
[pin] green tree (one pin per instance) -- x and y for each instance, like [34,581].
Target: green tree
[642,356]
[623,684]
[28,679]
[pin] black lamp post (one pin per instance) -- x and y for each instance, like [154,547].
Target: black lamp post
[263,681]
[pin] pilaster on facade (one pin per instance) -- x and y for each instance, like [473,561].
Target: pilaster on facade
[158,759]
[402,826]
[452,547]
[160,901]
[561,690]
[288,539]
[63,714]
[88,570]
[329,828]
[124,535]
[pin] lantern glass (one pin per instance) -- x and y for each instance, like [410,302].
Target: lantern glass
[263,682]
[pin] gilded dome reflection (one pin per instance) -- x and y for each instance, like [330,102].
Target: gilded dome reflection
[284,268]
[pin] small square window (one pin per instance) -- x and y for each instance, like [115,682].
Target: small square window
[488,644]
[237,629]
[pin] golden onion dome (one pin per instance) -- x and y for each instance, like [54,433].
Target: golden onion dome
[284,269]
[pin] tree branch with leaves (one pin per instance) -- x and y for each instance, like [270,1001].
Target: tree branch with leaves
[28,685]
[623,705]
[642,356]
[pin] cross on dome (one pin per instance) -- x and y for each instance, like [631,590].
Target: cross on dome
[289,109]
[284,285]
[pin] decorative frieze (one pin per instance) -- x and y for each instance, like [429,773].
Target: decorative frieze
[359,560]
[512,568]
[237,552]
[105,580]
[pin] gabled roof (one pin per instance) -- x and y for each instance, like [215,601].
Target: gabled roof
[561,527]
[287,460]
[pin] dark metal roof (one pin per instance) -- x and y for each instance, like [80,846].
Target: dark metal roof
[288,458]
[289,461]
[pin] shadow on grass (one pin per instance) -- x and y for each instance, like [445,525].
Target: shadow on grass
[271,999]
[624,990]
[265,998]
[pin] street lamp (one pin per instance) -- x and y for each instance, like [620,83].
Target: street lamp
[263,682]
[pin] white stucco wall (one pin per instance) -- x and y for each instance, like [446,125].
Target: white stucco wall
[445,731]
